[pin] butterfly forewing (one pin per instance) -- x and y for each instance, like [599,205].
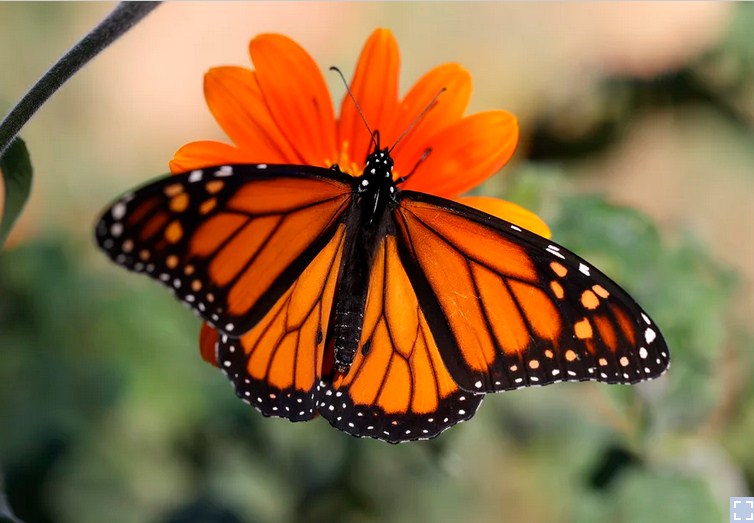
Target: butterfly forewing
[229,241]
[511,309]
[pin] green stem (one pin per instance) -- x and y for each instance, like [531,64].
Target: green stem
[122,18]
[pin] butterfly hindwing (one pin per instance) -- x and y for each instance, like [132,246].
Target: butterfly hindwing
[511,309]
[230,240]
[397,388]
[276,366]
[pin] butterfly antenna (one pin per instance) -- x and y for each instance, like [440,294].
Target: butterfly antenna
[421,115]
[358,107]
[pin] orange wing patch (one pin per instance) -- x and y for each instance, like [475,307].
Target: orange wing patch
[398,387]
[276,366]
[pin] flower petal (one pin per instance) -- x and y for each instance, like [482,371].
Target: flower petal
[375,86]
[296,95]
[235,99]
[448,109]
[509,212]
[466,153]
[207,341]
[198,155]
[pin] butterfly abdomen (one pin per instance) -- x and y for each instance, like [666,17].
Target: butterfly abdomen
[348,321]
[351,295]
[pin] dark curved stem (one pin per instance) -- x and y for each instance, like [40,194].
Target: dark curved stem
[122,18]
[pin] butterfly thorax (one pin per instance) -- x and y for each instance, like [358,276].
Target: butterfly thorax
[375,194]
[375,186]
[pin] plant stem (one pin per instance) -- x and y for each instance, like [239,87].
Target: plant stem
[118,22]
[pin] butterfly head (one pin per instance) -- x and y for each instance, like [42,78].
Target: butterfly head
[379,164]
[378,169]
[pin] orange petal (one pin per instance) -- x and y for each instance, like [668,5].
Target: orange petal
[375,86]
[198,155]
[296,95]
[207,341]
[509,212]
[466,153]
[235,99]
[448,109]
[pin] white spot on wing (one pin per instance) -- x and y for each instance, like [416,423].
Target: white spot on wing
[195,176]
[583,269]
[119,210]
[554,251]
[650,335]
[225,170]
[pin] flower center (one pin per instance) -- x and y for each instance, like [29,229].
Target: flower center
[344,161]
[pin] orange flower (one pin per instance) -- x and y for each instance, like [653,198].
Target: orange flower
[282,113]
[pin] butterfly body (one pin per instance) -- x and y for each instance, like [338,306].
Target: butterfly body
[388,312]
[374,195]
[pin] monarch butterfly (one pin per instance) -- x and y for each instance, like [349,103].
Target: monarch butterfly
[388,312]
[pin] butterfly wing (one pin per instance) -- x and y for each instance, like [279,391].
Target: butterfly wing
[229,241]
[277,366]
[397,388]
[510,309]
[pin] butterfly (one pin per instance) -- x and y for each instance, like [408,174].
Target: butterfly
[389,312]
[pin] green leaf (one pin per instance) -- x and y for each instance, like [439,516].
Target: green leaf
[15,166]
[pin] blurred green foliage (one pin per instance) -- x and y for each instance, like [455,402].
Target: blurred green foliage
[109,414]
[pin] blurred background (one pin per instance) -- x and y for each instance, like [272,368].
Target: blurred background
[637,148]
